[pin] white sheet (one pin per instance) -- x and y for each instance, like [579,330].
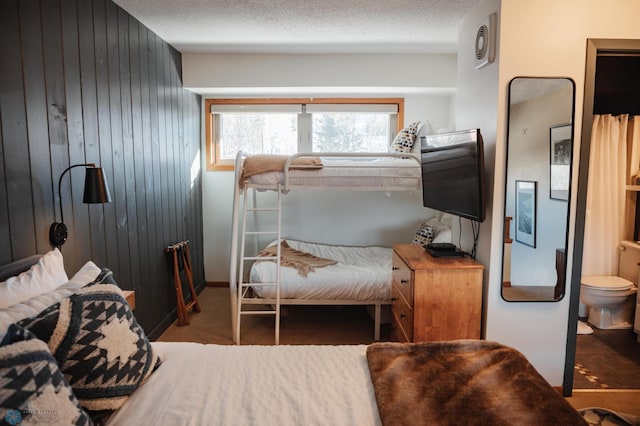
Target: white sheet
[254,385]
[362,273]
[380,173]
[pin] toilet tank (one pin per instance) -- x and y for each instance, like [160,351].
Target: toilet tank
[629,262]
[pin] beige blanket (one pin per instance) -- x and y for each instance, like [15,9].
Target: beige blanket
[303,262]
[465,382]
[262,163]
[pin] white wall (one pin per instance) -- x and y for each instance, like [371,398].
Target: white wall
[541,38]
[432,72]
[476,107]
[352,218]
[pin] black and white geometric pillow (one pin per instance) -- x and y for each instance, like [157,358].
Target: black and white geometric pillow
[33,390]
[101,349]
[424,235]
[404,140]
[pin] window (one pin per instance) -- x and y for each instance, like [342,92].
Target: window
[287,126]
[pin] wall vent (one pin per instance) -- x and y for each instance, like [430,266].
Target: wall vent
[485,46]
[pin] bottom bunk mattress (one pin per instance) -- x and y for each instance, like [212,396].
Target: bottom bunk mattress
[200,384]
[360,274]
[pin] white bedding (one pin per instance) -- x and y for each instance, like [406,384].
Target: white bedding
[254,385]
[362,273]
[379,173]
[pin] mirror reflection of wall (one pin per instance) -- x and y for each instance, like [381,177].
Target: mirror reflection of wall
[537,188]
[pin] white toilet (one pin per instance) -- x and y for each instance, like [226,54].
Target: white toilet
[610,300]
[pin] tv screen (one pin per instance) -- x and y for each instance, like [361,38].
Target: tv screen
[453,173]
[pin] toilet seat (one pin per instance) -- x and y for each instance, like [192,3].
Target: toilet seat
[606,283]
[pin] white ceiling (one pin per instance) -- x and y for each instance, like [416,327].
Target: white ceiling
[304,26]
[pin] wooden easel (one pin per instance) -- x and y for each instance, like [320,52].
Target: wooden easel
[181,260]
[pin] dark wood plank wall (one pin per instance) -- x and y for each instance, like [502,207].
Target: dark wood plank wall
[85,82]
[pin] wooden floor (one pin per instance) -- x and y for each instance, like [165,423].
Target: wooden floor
[304,325]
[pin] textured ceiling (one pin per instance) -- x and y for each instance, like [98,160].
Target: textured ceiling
[304,26]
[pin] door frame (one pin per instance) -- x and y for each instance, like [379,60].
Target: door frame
[594,46]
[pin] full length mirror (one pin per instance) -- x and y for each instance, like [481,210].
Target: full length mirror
[538,184]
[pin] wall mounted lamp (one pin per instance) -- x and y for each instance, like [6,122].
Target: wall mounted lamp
[95,191]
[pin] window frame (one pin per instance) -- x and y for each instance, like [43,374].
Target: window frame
[213,161]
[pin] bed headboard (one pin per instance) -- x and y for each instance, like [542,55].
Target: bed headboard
[14,268]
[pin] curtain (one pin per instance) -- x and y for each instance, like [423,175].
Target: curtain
[614,163]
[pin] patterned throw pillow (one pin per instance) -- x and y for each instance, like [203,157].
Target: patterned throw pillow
[33,388]
[424,235]
[100,348]
[404,140]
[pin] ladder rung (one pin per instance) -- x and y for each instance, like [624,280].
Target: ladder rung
[258,284]
[259,257]
[257,312]
[262,209]
[260,232]
[258,301]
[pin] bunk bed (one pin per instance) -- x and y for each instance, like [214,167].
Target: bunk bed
[388,172]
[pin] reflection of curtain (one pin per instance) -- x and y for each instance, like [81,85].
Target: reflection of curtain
[614,157]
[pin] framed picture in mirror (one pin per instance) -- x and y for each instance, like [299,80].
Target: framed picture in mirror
[560,150]
[526,212]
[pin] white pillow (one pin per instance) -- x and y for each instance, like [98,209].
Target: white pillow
[35,305]
[86,274]
[423,131]
[444,236]
[447,219]
[43,277]
[441,231]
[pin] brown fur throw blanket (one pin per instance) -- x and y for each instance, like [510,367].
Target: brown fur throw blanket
[464,382]
[262,163]
[304,262]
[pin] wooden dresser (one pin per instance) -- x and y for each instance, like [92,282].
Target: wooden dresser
[434,298]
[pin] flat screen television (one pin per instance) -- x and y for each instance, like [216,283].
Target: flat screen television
[453,173]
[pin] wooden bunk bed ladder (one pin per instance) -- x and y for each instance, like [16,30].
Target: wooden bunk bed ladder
[181,261]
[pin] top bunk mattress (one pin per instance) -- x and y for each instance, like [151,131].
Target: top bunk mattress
[361,173]
[361,274]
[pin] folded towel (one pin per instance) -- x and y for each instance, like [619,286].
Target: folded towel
[303,262]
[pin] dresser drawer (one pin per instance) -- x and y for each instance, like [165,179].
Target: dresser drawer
[398,334]
[402,314]
[402,277]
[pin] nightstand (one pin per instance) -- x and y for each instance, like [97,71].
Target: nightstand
[434,298]
[130,295]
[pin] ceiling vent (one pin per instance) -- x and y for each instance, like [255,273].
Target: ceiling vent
[485,47]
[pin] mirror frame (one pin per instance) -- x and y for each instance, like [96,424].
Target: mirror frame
[562,281]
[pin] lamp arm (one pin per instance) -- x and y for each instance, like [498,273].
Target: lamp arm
[60,184]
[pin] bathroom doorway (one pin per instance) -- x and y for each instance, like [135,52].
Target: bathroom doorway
[604,358]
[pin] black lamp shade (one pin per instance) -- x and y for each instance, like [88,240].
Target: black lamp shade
[96,189]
